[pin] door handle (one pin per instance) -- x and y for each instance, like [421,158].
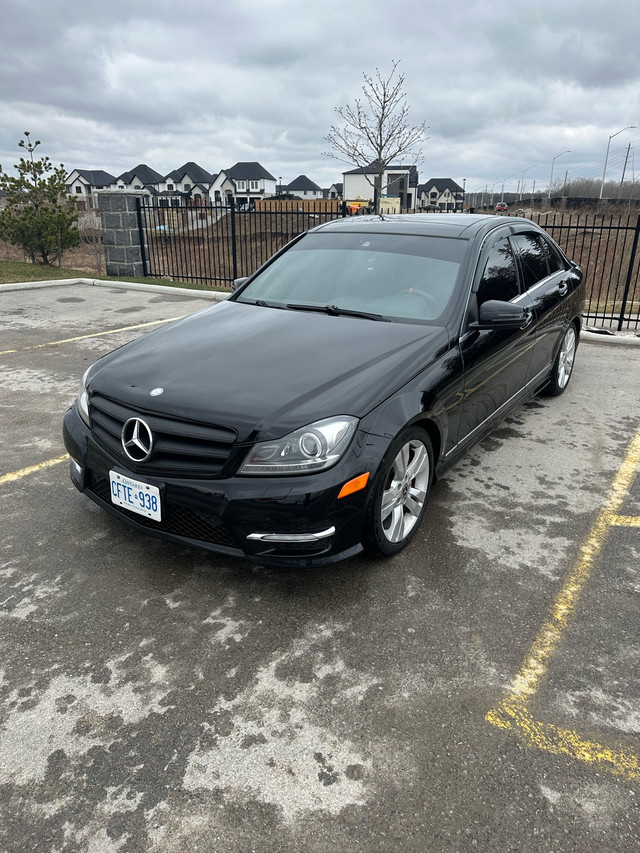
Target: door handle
[563,288]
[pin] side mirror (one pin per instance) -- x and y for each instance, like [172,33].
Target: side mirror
[238,282]
[496,314]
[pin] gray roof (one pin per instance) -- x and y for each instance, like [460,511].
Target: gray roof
[302,182]
[96,177]
[248,172]
[197,173]
[442,184]
[146,174]
[372,169]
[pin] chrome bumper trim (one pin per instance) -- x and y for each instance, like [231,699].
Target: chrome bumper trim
[293,537]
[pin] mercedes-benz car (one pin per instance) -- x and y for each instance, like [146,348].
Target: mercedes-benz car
[304,418]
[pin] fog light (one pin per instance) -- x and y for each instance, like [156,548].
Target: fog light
[76,469]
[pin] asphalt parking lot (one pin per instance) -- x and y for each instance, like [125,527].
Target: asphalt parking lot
[479,691]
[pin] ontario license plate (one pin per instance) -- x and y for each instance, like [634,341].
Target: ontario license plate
[135,495]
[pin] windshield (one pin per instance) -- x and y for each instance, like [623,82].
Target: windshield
[395,276]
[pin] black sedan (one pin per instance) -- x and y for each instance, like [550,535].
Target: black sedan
[304,419]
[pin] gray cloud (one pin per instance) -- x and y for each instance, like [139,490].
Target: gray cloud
[503,84]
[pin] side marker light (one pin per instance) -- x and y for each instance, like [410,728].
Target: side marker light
[354,485]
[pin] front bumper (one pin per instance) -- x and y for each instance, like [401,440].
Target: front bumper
[286,521]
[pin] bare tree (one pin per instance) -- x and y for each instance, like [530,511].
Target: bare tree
[376,128]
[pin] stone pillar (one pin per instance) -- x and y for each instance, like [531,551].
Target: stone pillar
[120,233]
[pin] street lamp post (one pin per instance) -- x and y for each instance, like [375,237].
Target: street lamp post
[504,181]
[522,179]
[606,159]
[568,151]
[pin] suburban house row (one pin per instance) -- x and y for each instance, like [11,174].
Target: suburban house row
[249,181]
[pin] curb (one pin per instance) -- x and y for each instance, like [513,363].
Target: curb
[215,295]
[605,337]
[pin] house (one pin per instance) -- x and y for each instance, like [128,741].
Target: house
[443,192]
[334,191]
[304,188]
[143,178]
[244,182]
[189,184]
[83,183]
[397,182]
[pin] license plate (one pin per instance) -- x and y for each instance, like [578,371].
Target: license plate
[135,495]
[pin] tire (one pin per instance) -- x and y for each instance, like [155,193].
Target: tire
[563,365]
[399,495]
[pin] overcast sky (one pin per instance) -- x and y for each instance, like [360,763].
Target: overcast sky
[504,85]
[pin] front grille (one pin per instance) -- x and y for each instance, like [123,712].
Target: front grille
[177,520]
[180,448]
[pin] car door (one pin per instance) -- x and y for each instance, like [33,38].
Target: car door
[544,278]
[496,361]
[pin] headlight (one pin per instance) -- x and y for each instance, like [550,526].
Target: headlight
[312,448]
[83,398]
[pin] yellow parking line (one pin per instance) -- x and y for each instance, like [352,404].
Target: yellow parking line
[93,335]
[32,469]
[626,521]
[513,712]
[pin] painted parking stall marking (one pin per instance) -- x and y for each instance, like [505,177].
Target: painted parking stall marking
[92,335]
[32,469]
[513,712]
[12,476]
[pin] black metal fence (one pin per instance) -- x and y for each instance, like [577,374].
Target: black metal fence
[214,244]
[606,247]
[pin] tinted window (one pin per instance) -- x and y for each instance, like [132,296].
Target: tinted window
[533,258]
[499,279]
[556,261]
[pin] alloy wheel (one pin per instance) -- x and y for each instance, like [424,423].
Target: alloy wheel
[566,357]
[405,491]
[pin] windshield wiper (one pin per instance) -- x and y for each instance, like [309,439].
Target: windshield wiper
[336,311]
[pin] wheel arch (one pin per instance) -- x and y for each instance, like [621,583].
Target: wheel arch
[428,413]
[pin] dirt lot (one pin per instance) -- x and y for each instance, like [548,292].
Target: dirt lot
[479,691]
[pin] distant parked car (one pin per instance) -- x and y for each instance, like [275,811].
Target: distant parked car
[501,205]
[305,417]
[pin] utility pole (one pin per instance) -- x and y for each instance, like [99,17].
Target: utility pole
[606,159]
[568,151]
[624,169]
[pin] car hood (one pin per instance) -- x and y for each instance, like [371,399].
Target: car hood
[265,371]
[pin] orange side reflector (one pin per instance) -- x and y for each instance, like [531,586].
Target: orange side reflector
[354,485]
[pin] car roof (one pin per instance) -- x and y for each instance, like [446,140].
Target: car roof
[466,226]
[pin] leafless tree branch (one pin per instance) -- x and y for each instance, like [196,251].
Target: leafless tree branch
[375,129]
